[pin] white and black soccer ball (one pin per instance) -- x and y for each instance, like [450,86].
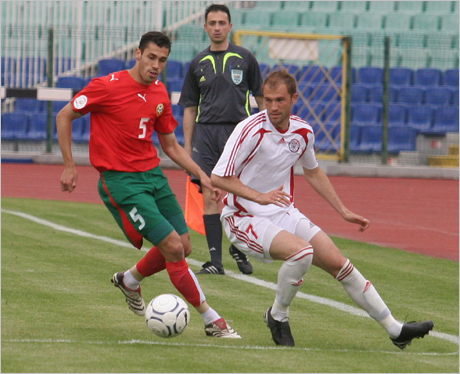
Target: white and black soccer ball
[167,315]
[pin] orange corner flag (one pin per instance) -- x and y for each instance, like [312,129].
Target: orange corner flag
[194,207]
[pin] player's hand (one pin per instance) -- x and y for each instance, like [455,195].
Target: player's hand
[216,193]
[69,179]
[277,197]
[361,221]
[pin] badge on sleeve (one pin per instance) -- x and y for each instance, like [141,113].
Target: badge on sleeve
[160,108]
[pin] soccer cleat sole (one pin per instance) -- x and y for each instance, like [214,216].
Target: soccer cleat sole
[134,304]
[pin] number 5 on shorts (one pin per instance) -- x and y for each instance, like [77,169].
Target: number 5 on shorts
[137,217]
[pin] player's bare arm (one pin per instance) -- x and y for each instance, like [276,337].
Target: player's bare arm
[180,156]
[64,131]
[323,186]
[190,114]
[260,102]
[233,185]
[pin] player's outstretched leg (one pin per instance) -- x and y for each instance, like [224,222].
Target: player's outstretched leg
[412,330]
[133,297]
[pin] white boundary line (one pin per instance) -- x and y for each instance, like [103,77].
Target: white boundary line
[245,347]
[251,279]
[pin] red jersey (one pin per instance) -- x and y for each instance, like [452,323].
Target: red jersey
[124,114]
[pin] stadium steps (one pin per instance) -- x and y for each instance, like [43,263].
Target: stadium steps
[450,160]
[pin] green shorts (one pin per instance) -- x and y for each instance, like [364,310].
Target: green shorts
[143,205]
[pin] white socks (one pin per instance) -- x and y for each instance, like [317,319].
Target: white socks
[129,281]
[210,316]
[363,293]
[290,278]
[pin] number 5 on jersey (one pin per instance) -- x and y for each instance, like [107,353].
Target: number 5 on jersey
[137,217]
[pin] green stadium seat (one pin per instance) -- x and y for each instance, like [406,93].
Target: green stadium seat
[398,21]
[370,21]
[360,56]
[258,17]
[436,7]
[377,56]
[286,18]
[444,59]
[425,22]
[381,6]
[191,32]
[441,40]
[412,7]
[325,6]
[237,17]
[449,22]
[378,38]
[411,40]
[299,6]
[317,19]
[272,5]
[182,51]
[360,37]
[455,8]
[353,6]
[342,20]
[414,58]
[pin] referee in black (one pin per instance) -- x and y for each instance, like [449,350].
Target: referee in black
[216,98]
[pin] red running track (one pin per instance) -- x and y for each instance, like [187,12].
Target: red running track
[416,215]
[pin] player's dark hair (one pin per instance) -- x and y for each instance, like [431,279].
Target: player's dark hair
[160,39]
[281,75]
[217,8]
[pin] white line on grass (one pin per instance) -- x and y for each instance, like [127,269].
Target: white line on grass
[251,279]
[245,347]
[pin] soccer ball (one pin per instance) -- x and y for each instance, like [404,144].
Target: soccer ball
[167,315]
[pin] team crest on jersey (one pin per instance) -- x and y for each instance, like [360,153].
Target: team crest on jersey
[160,108]
[237,76]
[294,145]
[80,102]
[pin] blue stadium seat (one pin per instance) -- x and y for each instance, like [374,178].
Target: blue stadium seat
[371,139]
[28,105]
[177,110]
[76,83]
[428,77]
[264,69]
[401,76]
[79,129]
[110,65]
[455,101]
[445,119]
[411,95]
[313,74]
[336,74]
[313,115]
[332,111]
[401,138]
[376,93]
[174,69]
[8,64]
[420,118]
[359,93]
[179,132]
[304,90]
[130,63]
[175,84]
[438,95]
[366,113]
[327,139]
[370,75]
[355,137]
[15,126]
[397,114]
[451,78]
[58,105]
[38,127]
[325,92]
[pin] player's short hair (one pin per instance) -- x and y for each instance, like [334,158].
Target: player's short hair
[157,37]
[281,75]
[217,8]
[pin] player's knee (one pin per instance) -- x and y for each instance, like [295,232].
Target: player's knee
[302,258]
[172,248]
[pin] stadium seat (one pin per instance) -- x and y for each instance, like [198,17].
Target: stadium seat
[397,114]
[370,75]
[179,131]
[332,112]
[446,120]
[62,64]
[8,65]
[273,5]
[381,6]
[131,63]
[414,95]
[264,69]
[325,6]
[438,96]
[401,76]
[342,20]
[313,74]
[371,139]
[58,105]
[76,83]
[412,7]
[175,84]
[182,51]
[438,7]
[436,41]
[449,22]
[413,58]
[190,32]
[425,22]
[327,138]
[359,93]
[335,73]
[444,59]
[315,19]
[258,17]
[455,97]
[411,40]
[369,21]
[397,21]
[289,18]
[428,77]
[299,6]
[177,110]
[28,105]
[325,92]
[313,114]
[15,126]
[420,118]
[78,129]
[366,113]
[110,65]
[376,93]
[353,6]
[174,69]
[355,137]
[38,127]
[401,138]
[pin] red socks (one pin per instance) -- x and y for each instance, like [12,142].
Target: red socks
[153,262]
[185,281]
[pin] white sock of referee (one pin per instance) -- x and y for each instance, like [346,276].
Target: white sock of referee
[363,293]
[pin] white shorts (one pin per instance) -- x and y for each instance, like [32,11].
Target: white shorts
[254,235]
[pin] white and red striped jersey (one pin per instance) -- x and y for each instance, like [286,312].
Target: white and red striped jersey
[263,158]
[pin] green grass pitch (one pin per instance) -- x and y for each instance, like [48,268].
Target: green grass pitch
[60,313]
